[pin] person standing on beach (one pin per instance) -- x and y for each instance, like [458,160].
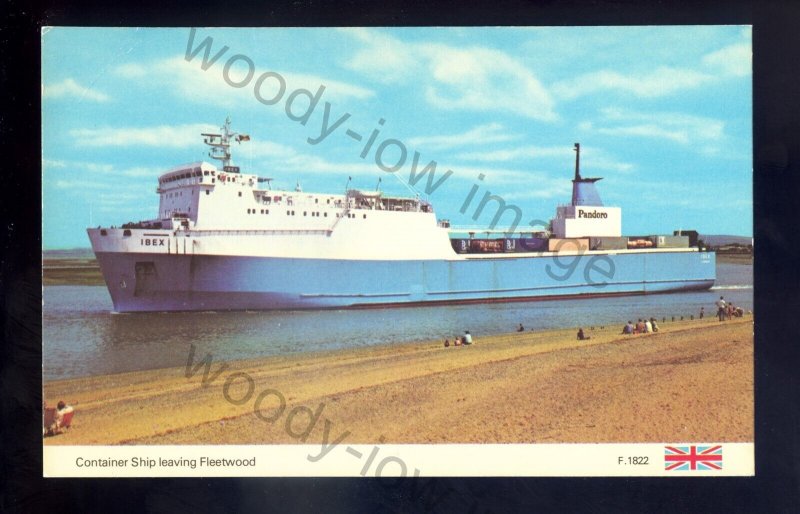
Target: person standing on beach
[721,308]
[701,312]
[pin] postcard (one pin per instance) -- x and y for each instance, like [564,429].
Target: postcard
[397,252]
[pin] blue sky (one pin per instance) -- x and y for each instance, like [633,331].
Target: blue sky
[662,113]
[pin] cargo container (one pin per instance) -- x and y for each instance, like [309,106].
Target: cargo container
[694,237]
[608,243]
[511,245]
[671,241]
[568,245]
[532,244]
[639,243]
[486,245]
[460,245]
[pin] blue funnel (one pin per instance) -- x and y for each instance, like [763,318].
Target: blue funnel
[584,192]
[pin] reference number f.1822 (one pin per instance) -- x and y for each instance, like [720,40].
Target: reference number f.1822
[636,461]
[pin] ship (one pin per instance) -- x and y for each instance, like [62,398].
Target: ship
[224,239]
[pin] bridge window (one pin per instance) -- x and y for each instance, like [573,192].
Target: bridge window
[240,193]
[365,216]
[208,192]
[325,214]
[126,233]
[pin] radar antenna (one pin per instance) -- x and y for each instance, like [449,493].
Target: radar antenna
[221,145]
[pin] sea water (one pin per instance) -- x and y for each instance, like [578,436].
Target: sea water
[81,335]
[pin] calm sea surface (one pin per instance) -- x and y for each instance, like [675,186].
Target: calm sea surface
[81,336]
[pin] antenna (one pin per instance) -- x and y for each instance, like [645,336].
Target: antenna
[221,145]
[577,161]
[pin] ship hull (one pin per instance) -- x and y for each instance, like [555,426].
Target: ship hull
[146,282]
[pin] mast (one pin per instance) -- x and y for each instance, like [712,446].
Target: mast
[221,145]
[577,161]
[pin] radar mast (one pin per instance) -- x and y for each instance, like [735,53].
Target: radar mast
[221,145]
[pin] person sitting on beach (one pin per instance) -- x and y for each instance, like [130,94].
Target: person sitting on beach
[467,337]
[457,341]
[62,409]
[521,328]
[639,327]
[628,329]
[654,324]
[581,336]
[447,343]
[648,326]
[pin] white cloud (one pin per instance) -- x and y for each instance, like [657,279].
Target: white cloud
[681,128]
[191,82]
[483,79]
[71,88]
[170,136]
[130,70]
[383,59]
[482,134]
[594,158]
[53,163]
[662,81]
[81,184]
[455,78]
[735,60]
[511,154]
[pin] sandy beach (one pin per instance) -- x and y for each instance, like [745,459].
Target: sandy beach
[691,381]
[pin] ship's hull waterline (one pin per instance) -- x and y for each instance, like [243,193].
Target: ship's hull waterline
[148,282]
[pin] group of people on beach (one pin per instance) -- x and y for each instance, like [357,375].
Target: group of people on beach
[642,326]
[464,340]
[726,310]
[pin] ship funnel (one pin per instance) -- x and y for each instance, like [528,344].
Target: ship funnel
[584,191]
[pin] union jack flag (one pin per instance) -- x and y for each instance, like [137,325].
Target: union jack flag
[681,458]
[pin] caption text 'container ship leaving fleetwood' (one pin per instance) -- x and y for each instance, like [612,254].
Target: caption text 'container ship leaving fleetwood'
[225,240]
